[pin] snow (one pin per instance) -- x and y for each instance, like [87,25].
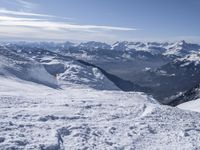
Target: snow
[152,47]
[191,105]
[84,110]
[39,74]
[48,69]
[34,116]
[27,70]
[192,58]
[181,49]
[175,48]
[85,75]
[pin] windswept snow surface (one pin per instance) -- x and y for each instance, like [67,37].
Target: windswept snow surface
[12,64]
[191,105]
[34,116]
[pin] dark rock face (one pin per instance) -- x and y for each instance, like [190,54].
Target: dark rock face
[190,95]
[120,83]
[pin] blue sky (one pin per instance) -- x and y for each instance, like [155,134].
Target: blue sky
[100,20]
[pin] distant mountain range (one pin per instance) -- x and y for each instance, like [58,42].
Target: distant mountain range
[180,48]
[168,71]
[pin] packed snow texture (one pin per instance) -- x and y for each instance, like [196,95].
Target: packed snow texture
[191,105]
[33,116]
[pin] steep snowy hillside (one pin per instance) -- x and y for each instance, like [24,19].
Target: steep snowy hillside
[50,69]
[16,66]
[77,73]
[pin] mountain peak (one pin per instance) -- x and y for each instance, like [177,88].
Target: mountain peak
[182,42]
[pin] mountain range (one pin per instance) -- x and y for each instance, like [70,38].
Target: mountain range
[163,70]
[129,95]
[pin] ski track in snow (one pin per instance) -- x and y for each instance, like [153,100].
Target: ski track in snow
[33,117]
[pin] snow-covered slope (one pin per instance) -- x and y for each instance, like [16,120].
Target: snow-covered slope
[193,105]
[51,70]
[190,95]
[192,58]
[189,100]
[181,49]
[33,116]
[16,66]
[77,73]
[75,115]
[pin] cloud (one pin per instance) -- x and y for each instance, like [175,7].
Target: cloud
[7,18]
[26,25]
[20,4]
[28,14]
[27,4]
[53,25]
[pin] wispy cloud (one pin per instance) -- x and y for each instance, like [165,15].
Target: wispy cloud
[27,4]
[16,21]
[7,18]
[33,25]
[22,13]
[21,4]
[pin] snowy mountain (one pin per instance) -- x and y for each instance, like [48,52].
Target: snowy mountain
[136,66]
[182,49]
[55,99]
[49,68]
[92,45]
[151,47]
[193,58]
[178,49]
[93,48]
